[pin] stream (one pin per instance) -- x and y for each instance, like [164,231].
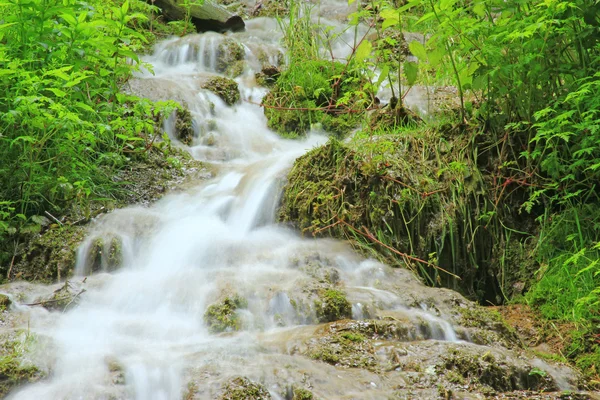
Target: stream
[140,332]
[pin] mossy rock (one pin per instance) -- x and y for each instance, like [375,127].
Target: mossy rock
[332,306]
[302,394]
[222,316]
[104,254]
[499,375]
[229,52]
[491,328]
[184,125]
[49,256]
[242,388]
[5,302]
[393,193]
[226,89]
[345,349]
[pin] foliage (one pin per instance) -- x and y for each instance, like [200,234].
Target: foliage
[64,126]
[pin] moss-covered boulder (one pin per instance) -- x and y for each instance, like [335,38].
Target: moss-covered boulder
[226,89]
[103,254]
[489,370]
[332,306]
[301,394]
[223,317]
[184,125]
[306,95]
[230,57]
[48,256]
[411,198]
[242,388]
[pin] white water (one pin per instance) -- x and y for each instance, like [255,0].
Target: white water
[190,248]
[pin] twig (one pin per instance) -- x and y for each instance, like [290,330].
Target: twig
[370,236]
[54,218]
[73,299]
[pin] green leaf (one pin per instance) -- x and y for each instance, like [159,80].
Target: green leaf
[363,51]
[58,92]
[411,71]
[383,75]
[418,50]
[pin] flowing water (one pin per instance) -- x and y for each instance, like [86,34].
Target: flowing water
[140,333]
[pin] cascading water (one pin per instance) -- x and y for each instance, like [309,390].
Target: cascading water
[140,332]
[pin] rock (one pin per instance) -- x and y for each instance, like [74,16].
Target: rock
[332,306]
[207,16]
[226,89]
[241,388]
[230,57]
[267,76]
[222,316]
[5,302]
[184,128]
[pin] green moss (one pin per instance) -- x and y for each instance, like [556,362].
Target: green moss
[332,306]
[229,53]
[241,388]
[13,371]
[223,317]
[487,370]
[302,95]
[226,89]
[343,350]
[302,394]
[184,128]
[4,302]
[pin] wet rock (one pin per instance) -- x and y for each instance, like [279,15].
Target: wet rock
[346,349]
[230,56]
[493,370]
[267,76]
[104,254]
[184,125]
[223,317]
[489,326]
[48,256]
[226,89]
[5,302]
[242,388]
[332,306]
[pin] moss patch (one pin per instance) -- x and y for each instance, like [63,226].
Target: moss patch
[226,89]
[241,388]
[222,316]
[306,94]
[343,349]
[14,371]
[414,192]
[184,125]
[487,370]
[332,306]
[230,55]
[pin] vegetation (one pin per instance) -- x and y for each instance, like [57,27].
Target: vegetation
[65,127]
[222,316]
[498,197]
